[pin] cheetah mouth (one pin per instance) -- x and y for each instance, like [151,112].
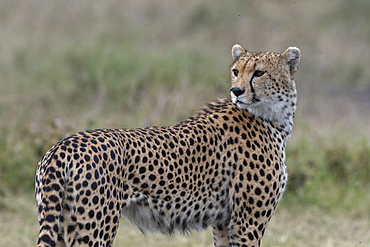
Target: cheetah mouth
[242,102]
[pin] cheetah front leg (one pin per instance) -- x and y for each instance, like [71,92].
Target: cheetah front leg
[221,236]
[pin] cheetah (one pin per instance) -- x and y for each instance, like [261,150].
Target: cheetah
[224,167]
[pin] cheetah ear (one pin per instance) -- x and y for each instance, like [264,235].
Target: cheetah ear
[237,51]
[292,56]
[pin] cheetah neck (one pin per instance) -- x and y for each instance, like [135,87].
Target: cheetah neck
[280,115]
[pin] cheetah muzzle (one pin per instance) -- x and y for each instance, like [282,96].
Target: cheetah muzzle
[223,168]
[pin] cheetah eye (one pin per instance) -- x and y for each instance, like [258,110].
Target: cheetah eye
[235,72]
[259,73]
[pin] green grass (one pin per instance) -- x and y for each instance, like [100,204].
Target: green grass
[69,66]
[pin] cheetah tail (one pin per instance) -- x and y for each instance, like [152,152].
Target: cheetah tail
[49,190]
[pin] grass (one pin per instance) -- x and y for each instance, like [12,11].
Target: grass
[68,66]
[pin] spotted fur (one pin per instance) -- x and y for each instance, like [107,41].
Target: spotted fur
[223,168]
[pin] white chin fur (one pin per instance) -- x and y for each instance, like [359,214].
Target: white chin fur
[233,98]
[242,105]
[266,110]
[239,104]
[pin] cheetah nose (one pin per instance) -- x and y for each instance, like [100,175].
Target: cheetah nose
[237,91]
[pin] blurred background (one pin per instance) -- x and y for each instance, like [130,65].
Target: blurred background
[67,66]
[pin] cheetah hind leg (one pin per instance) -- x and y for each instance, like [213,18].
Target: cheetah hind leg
[221,237]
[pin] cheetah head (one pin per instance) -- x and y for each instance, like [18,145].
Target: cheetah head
[262,82]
